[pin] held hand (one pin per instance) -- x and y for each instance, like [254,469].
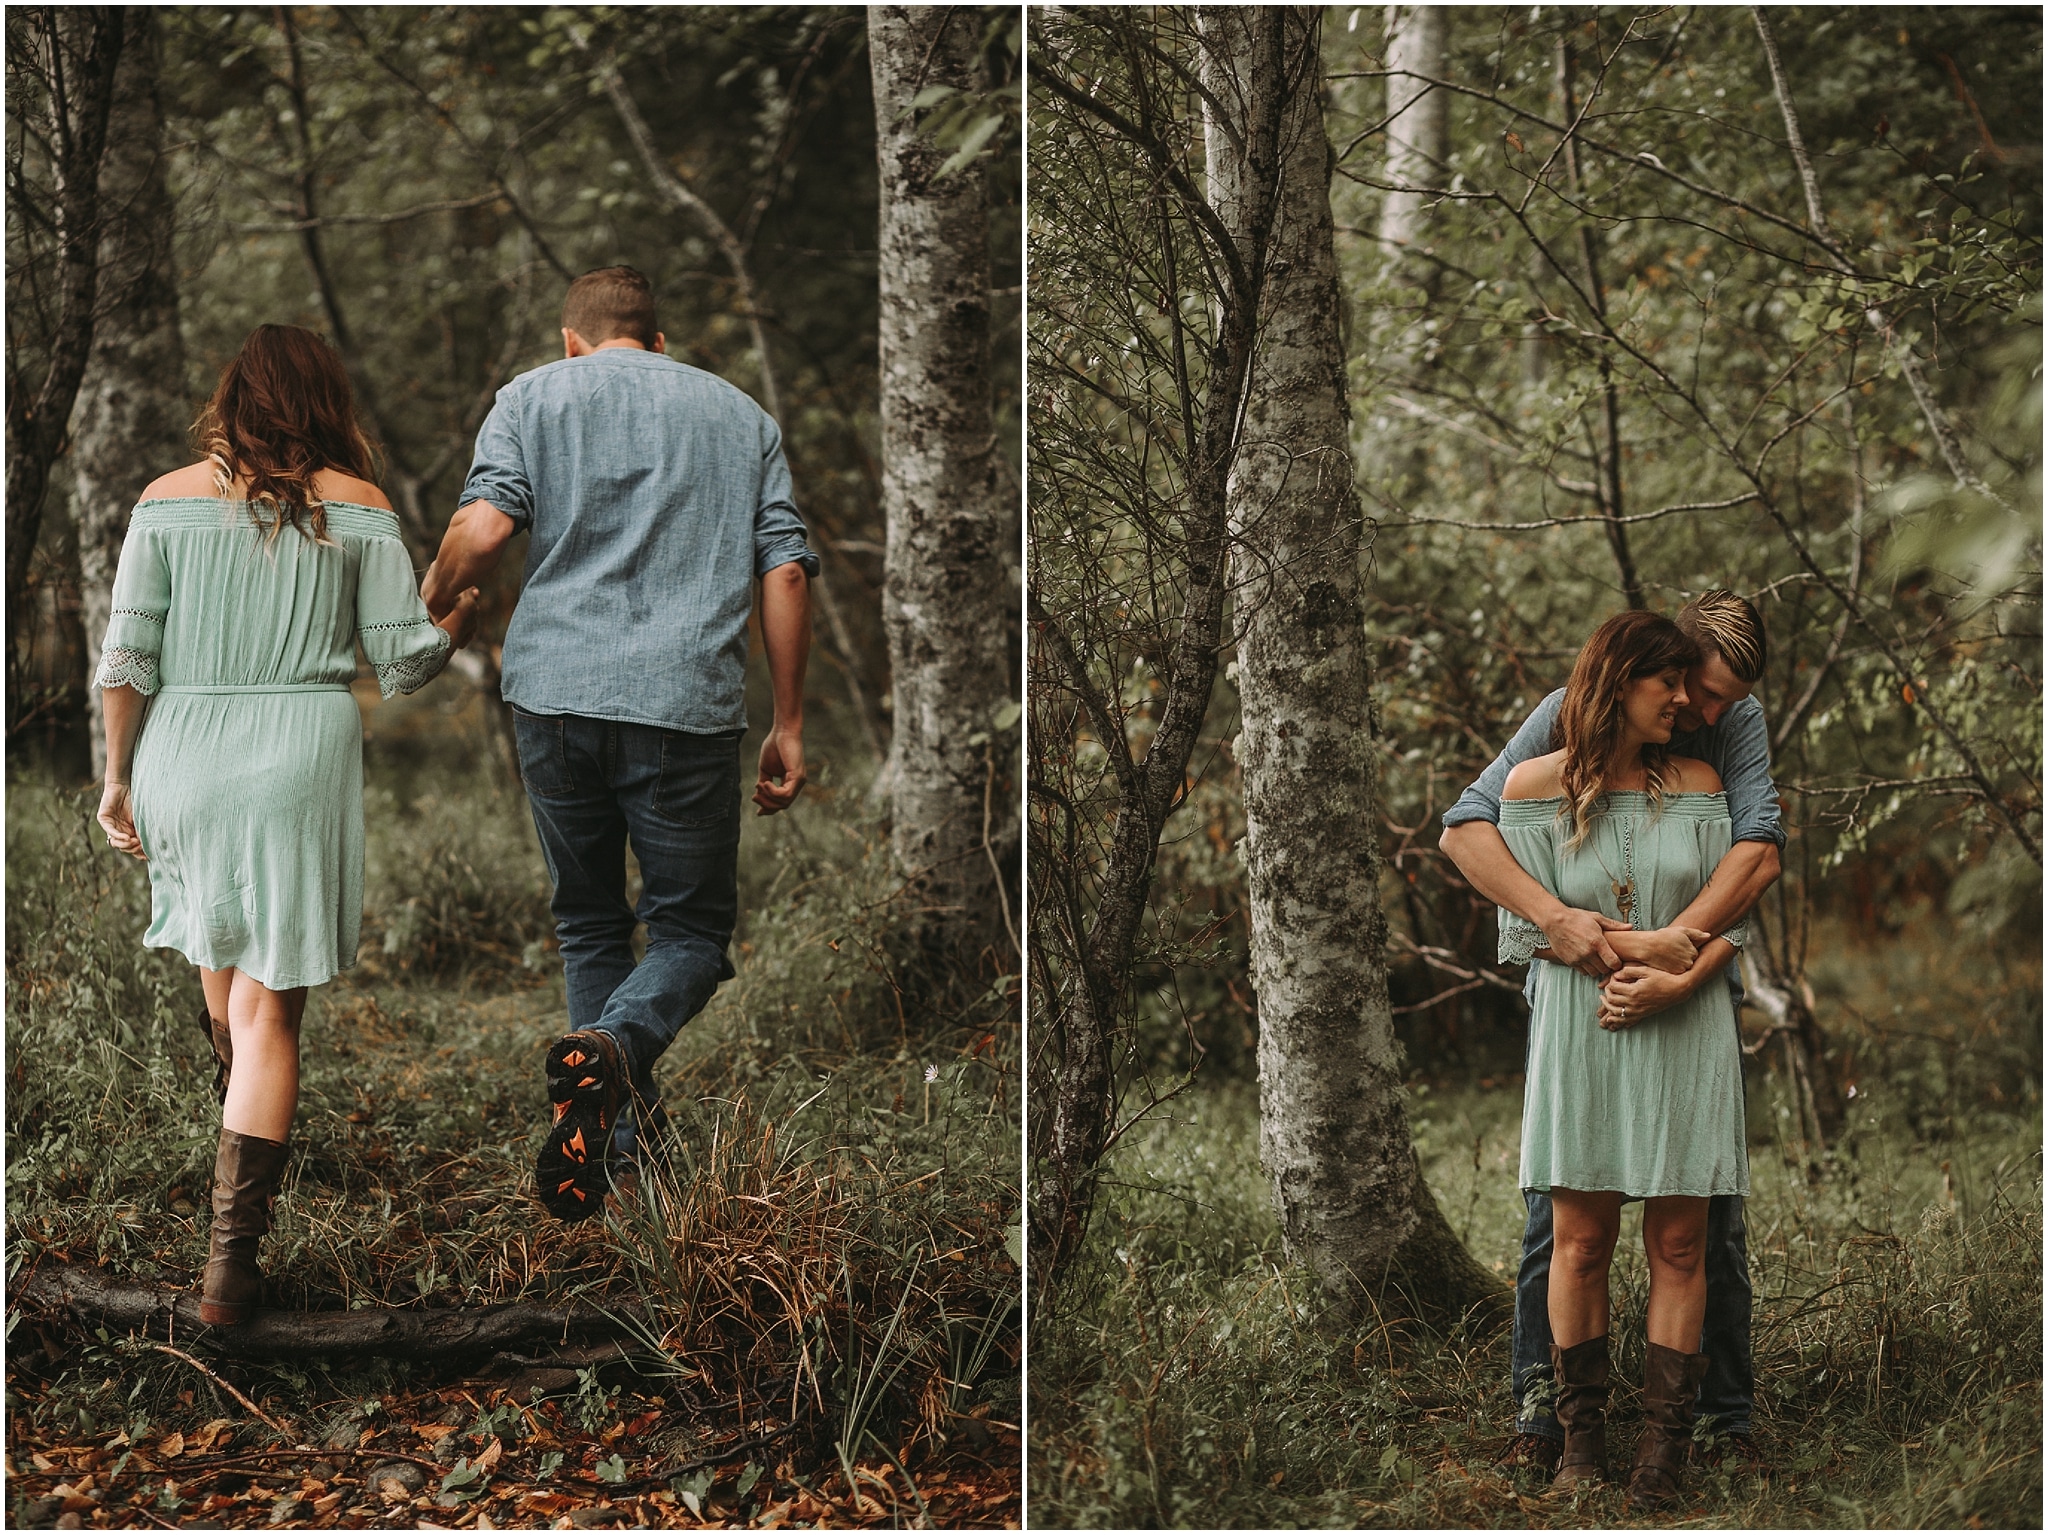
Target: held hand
[460,620]
[1636,992]
[782,770]
[117,815]
[1671,949]
[1579,939]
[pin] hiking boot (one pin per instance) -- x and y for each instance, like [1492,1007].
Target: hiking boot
[1671,1383]
[1581,1410]
[586,1084]
[1530,1452]
[221,1041]
[246,1173]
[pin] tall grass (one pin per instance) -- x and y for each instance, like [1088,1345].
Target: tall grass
[1183,1378]
[824,1194]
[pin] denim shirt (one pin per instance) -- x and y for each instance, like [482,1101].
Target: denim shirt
[656,493]
[1737,746]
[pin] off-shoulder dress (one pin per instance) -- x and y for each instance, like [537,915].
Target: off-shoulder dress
[1655,1109]
[247,783]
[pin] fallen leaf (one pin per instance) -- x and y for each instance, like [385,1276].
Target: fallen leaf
[434,1433]
[483,1522]
[172,1446]
[204,1440]
[392,1490]
[328,1504]
[43,1462]
[489,1458]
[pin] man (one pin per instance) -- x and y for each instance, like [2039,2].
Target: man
[1723,726]
[655,494]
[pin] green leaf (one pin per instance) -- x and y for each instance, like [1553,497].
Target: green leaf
[980,134]
[747,1479]
[931,96]
[1008,714]
[613,1470]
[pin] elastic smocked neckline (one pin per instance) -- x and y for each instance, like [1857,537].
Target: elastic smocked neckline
[1697,802]
[381,511]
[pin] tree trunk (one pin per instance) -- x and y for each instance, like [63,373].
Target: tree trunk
[950,588]
[1418,148]
[84,47]
[1418,151]
[1333,1130]
[130,419]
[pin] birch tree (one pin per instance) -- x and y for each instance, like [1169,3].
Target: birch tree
[129,421]
[1333,1129]
[950,592]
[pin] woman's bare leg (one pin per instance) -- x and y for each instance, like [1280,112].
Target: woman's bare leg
[1675,1240]
[1584,1227]
[263,1094]
[217,984]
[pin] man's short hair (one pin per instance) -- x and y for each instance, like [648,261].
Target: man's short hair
[610,303]
[1723,624]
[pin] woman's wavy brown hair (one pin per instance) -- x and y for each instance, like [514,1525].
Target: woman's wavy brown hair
[283,411]
[1628,646]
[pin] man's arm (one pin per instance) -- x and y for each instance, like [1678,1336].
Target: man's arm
[470,550]
[1473,842]
[786,636]
[1577,938]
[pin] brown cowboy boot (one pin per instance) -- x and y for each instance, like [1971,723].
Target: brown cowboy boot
[221,1040]
[246,1173]
[1671,1383]
[1581,1410]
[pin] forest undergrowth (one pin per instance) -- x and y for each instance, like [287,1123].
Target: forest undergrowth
[825,1281]
[1180,1377]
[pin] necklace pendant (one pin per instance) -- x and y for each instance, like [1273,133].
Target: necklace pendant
[1624,898]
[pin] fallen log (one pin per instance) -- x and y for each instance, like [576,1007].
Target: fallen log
[94,1296]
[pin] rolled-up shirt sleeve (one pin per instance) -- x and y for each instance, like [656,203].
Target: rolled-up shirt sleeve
[1481,802]
[779,534]
[497,472]
[1746,776]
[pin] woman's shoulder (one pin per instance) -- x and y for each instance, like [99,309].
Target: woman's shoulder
[192,480]
[334,485]
[1538,778]
[1689,775]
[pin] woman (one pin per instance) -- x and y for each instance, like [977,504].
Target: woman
[1612,822]
[245,583]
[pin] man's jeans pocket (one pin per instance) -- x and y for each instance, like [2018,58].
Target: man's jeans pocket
[699,783]
[543,753]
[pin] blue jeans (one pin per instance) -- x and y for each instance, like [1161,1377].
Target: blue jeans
[592,785]
[1728,1390]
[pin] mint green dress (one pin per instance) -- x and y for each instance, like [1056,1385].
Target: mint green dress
[247,782]
[1656,1109]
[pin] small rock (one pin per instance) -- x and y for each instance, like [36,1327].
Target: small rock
[403,1472]
[37,1513]
[69,1522]
[448,1450]
[284,1510]
[344,1436]
[595,1518]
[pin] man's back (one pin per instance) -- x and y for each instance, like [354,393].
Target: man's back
[655,493]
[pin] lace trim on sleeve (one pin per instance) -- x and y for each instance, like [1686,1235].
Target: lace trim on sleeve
[1519,939]
[1738,934]
[142,613]
[122,667]
[408,674]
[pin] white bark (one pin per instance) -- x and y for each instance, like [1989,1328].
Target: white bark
[1419,133]
[1333,1127]
[950,593]
[129,422]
